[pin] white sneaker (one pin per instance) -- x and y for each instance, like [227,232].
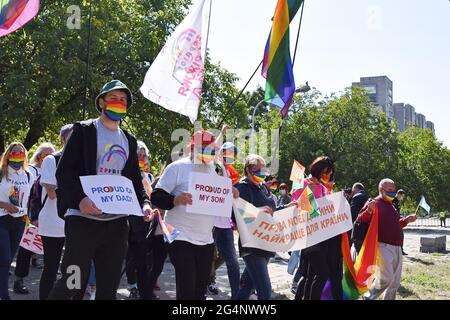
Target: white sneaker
[253,296]
[90,292]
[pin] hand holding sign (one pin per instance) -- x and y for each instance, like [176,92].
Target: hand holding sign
[183,199]
[111,194]
[210,194]
[10,208]
[87,206]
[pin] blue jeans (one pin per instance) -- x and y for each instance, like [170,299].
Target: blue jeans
[255,276]
[11,231]
[225,244]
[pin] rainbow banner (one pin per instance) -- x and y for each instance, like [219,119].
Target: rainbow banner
[14,14]
[277,64]
[357,277]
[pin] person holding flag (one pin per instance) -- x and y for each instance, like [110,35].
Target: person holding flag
[390,235]
[322,261]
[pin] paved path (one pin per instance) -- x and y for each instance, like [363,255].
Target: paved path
[281,280]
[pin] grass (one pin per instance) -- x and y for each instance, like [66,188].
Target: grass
[426,281]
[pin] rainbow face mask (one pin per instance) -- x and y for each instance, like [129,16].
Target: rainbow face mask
[142,164]
[273,186]
[205,155]
[228,159]
[324,179]
[16,160]
[116,110]
[390,196]
[257,177]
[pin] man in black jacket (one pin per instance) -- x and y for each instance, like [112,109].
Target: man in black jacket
[96,147]
[358,200]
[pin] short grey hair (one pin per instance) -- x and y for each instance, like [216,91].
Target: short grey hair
[253,160]
[384,181]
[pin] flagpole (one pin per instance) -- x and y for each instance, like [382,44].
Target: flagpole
[417,209]
[298,33]
[295,55]
[88,61]
[239,95]
[209,24]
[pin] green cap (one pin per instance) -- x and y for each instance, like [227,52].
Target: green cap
[114,85]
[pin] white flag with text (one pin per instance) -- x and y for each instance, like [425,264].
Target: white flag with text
[175,79]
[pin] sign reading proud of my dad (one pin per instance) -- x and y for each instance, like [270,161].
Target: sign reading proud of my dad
[112,194]
[211,195]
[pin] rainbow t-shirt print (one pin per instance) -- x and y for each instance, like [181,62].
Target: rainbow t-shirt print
[14,196]
[114,157]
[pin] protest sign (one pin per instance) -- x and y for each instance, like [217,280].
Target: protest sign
[31,240]
[297,172]
[292,228]
[211,195]
[113,194]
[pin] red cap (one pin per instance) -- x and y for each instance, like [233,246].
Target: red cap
[203,138]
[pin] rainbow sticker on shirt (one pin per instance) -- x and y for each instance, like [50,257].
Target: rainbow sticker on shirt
[114,150]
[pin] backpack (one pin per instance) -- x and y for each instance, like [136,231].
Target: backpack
[36,204]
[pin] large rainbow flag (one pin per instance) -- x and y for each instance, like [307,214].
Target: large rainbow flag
[357,277]
[277,64]
[16,13]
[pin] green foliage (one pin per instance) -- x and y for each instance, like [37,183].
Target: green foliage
[42,87]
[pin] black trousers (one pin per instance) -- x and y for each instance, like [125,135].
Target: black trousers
[159,255]
[23,260]
[137,266]
[192,265]
[52,257]
[324,263]
[105,242]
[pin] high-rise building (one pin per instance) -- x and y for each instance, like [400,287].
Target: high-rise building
[430,125]
[410,116]
[399,115]
[379,90]
[420,121]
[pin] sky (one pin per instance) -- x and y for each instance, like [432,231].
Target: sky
[341,41]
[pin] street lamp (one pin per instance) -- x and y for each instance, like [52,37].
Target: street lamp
[302,89]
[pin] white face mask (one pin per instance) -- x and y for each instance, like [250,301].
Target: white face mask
[283,192]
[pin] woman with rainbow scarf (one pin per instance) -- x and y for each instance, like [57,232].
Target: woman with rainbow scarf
[15,186]
[256,274]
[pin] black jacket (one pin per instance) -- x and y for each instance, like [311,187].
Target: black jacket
[257,197]
[357,202]
[79,158]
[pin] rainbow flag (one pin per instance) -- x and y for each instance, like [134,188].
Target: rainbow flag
[14,14]
[277,63]
[169,232]
[307,202]
[358,276]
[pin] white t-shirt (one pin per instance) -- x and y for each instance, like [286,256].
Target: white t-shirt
[193,228]
[16,190]
[50,224]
